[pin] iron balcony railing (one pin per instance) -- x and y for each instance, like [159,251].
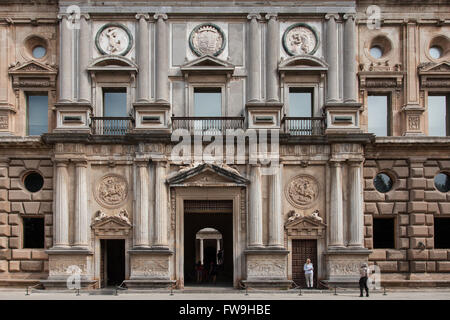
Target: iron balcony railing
[304,126]
[207,125]
[111,125]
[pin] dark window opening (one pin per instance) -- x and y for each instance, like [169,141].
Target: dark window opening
[33,233]
[33,182]
[383,182]
[441,233]
[384,233]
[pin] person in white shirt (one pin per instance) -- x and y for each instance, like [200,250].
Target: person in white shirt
[309,272]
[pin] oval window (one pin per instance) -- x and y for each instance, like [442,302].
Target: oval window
[442,182]
[435,52]
[33,182]
[376,52]
[383,183]
[39,52]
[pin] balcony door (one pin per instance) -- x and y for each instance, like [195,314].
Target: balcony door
[208,105]
[115,111]
[301,104]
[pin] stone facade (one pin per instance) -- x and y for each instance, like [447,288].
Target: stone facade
[107,181]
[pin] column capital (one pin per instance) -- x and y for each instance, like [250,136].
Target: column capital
[328,16]
[349,16]
[86,16]
[355,162]
[335,162]
[141,162]
[252,16]
[271,16]
[144,16]
[80,163]
[160,15]
[61,162]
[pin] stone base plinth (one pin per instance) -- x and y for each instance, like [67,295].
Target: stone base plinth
[149,284]
[268,284]
[59,284]
[343,266]
[149,267]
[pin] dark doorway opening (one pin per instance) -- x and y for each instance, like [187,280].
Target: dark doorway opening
[209,215]
[113,258]
[302,250]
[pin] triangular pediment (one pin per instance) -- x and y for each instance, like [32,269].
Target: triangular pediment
[303,63]
[32,67]
[440,67]
[304,222]
[111,222]
[207,175]
[208,63]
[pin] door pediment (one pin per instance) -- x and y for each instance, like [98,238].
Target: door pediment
[104,225]
[305,226]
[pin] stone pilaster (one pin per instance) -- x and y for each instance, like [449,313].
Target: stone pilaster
[81,234]
[332,58]
[255,214]
[275,213]
[254,59]
[272,49]
[356,238]
[84,88]
[160,219]
[61,239]
[141,220]
[336,226]
[143,58]
[350,58]
[65,67]
[162,56]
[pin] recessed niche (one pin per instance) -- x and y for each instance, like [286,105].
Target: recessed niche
[380,47]
[33,181]
[36,47]
[438,48]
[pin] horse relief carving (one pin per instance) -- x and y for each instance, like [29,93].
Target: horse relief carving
[111,191]
[302,191]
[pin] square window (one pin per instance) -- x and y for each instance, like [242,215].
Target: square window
[33,233]
[384,233]
[207,102]
[37,114]
[441,233]
[115,102]
[301,102]
[437,115]
[378,115]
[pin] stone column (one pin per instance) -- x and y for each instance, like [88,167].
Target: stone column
[350,58]
[272,50]
[162,58]
[275,224]
[61,239]
[160,205]
[84,88]
[65,67]
[201,251]
[254,59]
[143,58]
[217,250]
[356,201]
[332,58]
[141,225]
[81,236]
[336,230]
[255,214]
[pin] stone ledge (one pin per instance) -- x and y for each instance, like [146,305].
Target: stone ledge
[156,251]
[269,284]
[62,284]
[265,251]
[144,284]
[69,251]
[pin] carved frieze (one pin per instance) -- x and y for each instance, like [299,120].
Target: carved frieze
[343,268]
[266,267]
[302,191]
[155,268]
[300,39]
[207,39]
[414,122]
[63,265]
[114,39]
[4,121]
[111,191]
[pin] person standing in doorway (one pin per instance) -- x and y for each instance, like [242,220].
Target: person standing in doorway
[309,273]
[363,272]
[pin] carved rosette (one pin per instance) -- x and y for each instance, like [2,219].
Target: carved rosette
[300,39]
[302,191]
[114,39]
[207,39]
[111,191]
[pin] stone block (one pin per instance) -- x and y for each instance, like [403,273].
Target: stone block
[429,243]
[13,219]
[45,163]
[403,231]
[418,266]
[369,173]
[368,243]
[17,207]
[418,218]
[3,195]
[19,195]
[430,172]
[385,207]
[420,207]
[4,183]
[401,163]
[3,172]
[444,207]
[48,220]
[47,172]
[402,172]
[368,220]
[414,242]
[5,230]
[431,266]
[418,231]
[377,254]
[417,183]
[45,266]
[416,172]
[373,196]
[369,231]
[14,266]
[43,195]
[435,196]
[430,231]
[14,243]
[388,266]
[5,254]
[5,206]
[443,266]
[429,219]
[39,255]
[397,196]
[16,184]
[31,164]
[31,207]
[403,266]
[15,231]
[21,254]
[417,195]
[385,164]
[416,254]
[3,218]
[370,163]
[3,242]
[400,207]
[3,266]
[368,184]
[433,208]
[371,208]
[48,231]
[403,219]
[395,254]
[438,254]
[46,207]
[31,266]
[48,242]
[15,172]
[404,243]
[401,184]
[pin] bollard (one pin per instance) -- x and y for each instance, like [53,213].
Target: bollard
[116,294]
[78,291]
[171,291]
[335,291]
[384,293]
[27,293]
[300,291]
[246,291]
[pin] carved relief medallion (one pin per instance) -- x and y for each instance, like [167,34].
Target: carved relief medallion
[114,39]
[300,39]
[111,191]
[207,38]
[302,191]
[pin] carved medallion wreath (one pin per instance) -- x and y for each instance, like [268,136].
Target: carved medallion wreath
[111,191]
[114,39]
[302,191]
[300,39]
[207,39]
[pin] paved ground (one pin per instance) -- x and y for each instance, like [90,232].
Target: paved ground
[397,294]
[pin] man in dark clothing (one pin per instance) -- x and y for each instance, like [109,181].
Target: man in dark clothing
[363,272]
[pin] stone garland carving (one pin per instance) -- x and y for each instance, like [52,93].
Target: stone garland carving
[114,39]
[302,191]
[207,39]
[300,39]
[111,191]
[344,268]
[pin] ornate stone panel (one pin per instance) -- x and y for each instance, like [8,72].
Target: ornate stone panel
[300,39]
[62,265]
[150,267]
[302,191]
[111,191]
[114,39]
[261,266]
[343,268]
[207,39]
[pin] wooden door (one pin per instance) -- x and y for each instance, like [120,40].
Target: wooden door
[302,250]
